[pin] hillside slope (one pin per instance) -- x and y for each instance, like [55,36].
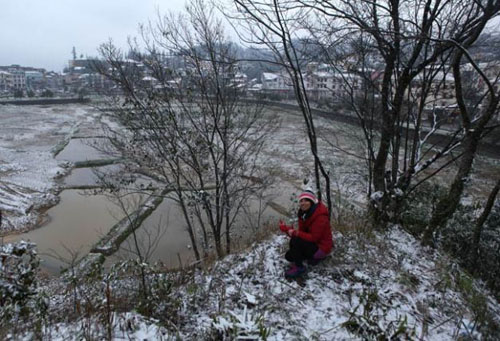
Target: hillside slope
[373,286]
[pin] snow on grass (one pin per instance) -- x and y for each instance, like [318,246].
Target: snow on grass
[126,326]
[374,286]
[386,285]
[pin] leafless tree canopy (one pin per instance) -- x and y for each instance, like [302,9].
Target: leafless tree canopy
[398,59]
[180,120]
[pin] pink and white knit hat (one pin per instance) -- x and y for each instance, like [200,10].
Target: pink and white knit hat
[308,195]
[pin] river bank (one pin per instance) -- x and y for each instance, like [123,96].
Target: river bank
[64,226]
[51,188]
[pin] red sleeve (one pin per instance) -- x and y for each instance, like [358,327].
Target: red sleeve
[317,228]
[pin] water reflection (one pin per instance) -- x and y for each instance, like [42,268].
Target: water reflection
[87,176]
[75,224]
[83,149]
[167,228]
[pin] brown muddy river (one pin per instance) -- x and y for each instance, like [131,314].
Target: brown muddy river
[75,224]
[79,220]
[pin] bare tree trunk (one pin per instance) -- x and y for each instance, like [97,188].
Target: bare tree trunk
[190,229]
[476,238]
[276,34]
[447,205]
[474,127]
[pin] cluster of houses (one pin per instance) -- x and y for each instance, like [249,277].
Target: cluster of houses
[324,84]
[23,81]
[20,81]
[336,87]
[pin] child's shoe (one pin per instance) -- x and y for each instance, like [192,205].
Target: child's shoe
[295,271]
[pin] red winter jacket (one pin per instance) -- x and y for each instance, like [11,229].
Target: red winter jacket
[316,228]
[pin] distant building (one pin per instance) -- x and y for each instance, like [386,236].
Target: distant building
[17,79]
[276,82]
[240,80]
[320,80]
[276,85]
[34,79]
[13,77]
[4,81]
[25,78]
[81,76]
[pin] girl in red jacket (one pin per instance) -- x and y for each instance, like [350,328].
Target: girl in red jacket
[313,239]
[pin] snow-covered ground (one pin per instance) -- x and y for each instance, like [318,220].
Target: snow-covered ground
[28,169]
[385,284]
[383,287]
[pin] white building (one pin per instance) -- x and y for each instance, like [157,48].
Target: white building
[13,79]
[4,80]
[321,82]
[275,82]
[18,80]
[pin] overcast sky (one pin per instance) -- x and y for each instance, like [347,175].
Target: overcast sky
[42,33]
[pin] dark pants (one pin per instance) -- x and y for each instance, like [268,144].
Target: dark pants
[300,250]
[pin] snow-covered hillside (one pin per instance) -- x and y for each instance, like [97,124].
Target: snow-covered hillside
[375,286]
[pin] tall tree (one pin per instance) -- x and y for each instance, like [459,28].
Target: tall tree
[476,117]
[478,229]
[181,120]
[275,25]
[412,49]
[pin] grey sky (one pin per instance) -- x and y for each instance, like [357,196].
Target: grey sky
[42,33]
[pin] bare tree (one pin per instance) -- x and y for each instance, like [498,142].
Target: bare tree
[478,230]
[181,120]
[128,204]
[70,260]
[476,117]
[274,25]
[405,53]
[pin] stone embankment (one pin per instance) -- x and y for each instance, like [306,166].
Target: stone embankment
[440,137]
[111,242]
[45,101]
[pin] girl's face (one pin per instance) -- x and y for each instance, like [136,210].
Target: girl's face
[305,204]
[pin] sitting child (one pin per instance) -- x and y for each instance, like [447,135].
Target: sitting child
[312,241]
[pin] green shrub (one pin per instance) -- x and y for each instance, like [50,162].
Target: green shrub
[456,238]
[19,298]
[417,209]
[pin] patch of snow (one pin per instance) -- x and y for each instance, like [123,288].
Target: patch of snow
[28,170]
[251,299]
[377,196]
[398,192]
[125,326]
